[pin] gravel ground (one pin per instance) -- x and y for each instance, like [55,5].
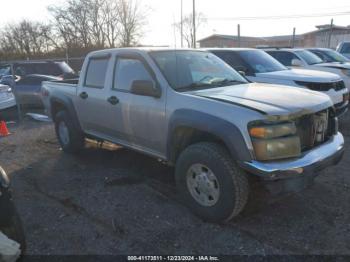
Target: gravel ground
[114,201]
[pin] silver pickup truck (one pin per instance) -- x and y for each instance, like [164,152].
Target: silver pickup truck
[191,110]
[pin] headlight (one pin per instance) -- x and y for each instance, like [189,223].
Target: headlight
[271,142]
[346,72]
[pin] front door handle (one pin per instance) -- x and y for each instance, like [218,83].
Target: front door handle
[84,95]
[113,100]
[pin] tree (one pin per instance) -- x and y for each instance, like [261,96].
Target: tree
[77,27]
[27,38]
[188,28]
[131,21]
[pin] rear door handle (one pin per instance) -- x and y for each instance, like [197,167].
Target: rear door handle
[84,95]
[113,100]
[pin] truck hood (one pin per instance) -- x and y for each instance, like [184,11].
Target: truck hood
[271,100]
[301,75]
[335,65]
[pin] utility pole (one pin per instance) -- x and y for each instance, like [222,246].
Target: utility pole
[239,35]
[194,24]
[330,34]
[181,26]
[293,38]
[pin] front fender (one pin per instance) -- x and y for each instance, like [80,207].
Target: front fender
[228,132]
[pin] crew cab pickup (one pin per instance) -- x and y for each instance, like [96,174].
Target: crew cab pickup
[192,110]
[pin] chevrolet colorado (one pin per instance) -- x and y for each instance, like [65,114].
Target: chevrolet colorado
[192,110]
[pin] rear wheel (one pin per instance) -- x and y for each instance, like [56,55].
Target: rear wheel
[69,136]
[210,183]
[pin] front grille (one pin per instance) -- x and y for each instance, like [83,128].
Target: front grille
[339,85]
[316,129]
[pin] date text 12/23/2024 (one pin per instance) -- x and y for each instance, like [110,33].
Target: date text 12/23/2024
[173,258]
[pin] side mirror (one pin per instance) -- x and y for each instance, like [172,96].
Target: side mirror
[242,70]
[296,62]
[145,88]
[242,73]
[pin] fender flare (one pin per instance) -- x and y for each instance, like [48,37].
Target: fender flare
[68,104]
[224,130]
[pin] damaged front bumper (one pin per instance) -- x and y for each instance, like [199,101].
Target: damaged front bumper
[296,174]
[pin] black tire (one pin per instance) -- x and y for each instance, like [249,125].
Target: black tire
[232,180]
[76,139]
[15,231]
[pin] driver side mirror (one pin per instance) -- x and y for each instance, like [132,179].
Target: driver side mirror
[241,70]
[242,73]
[145,88]
[296,62]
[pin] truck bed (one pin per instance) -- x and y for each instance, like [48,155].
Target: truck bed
[64,87]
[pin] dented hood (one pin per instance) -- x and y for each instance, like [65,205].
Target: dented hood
[272,100]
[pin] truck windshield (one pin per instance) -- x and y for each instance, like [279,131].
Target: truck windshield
[187,70]
[308,57]
[260,61]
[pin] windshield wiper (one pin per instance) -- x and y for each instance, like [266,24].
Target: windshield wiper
[193,86]
[227,81]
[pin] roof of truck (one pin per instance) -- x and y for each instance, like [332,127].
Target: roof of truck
[144,49]
[229,49]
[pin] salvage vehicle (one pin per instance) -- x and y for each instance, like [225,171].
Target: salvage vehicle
[258,66]
[344,48]
[48,68]
[27,87]
[7,99]
[12,238]
[303,58]
[191,110]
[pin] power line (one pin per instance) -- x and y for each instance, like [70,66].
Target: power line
[279,16]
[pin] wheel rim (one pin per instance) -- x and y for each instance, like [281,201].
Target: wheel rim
[63,133]
[203,185]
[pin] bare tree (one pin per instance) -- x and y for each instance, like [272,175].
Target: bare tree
[188,28]
[77,26]
[27,38]
[131,21]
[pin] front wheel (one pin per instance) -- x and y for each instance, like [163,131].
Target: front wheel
[69,136]
[210,183]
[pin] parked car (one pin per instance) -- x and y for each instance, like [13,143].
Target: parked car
[7,99]
[48,68]
[344,49]
[305,59]
[258,66]
[10,222]
[27,87]
[192,110]
[330,56]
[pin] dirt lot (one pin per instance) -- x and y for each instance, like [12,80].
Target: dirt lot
[115,201]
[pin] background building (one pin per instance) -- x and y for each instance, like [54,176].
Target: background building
[317,38]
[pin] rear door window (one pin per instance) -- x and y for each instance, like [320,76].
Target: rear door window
[96,72]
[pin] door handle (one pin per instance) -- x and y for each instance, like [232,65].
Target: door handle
[113,100]
[83,95]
